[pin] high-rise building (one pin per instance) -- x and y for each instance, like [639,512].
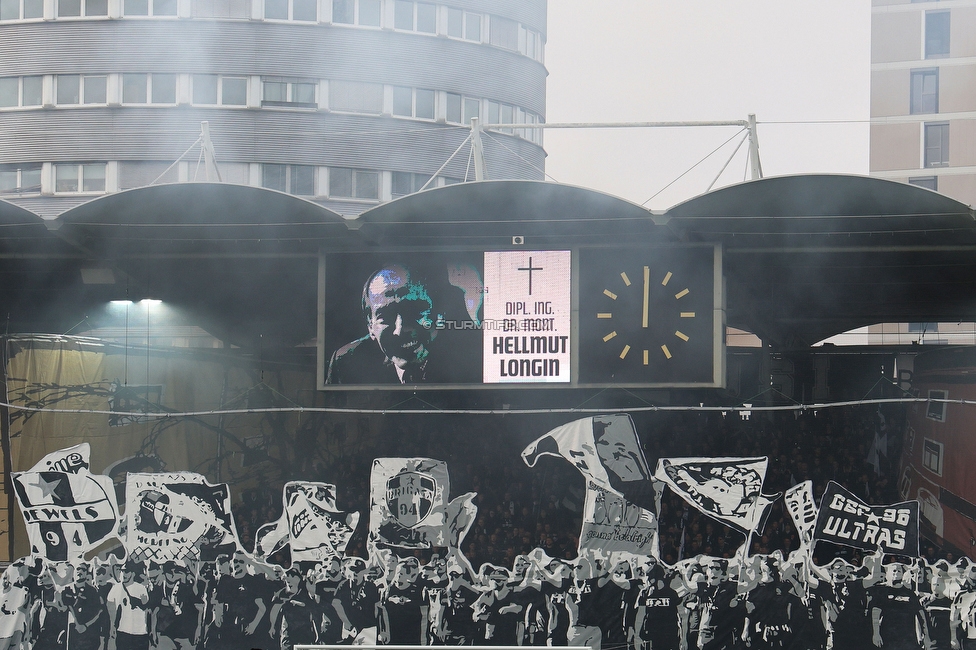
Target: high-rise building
[923,94]
[344,102]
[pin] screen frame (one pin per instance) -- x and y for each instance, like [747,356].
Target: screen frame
[718,324]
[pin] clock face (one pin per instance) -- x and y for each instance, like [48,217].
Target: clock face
[646,316]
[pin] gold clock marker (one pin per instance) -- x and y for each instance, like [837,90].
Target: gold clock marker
[604,314]
[609,336]
[609,294]
[667,278]
[667,352]
[623,275]
[647,289]
[624,352]
[687,314]
[681,335]
[646,355]
[681,294]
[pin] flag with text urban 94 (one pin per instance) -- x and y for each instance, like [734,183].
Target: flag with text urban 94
[408,504]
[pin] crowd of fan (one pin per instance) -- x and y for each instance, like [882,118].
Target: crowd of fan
[521,508]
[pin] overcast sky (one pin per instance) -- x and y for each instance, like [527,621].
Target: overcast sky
[791,63]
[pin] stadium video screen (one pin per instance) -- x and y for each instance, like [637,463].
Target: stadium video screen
[589,317]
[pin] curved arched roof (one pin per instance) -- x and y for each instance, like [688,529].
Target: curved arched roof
[490,213]
[821,206]
[242,260]
[199,217]
[810,256]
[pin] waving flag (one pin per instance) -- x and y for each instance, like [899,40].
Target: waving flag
[311,524]
[67,509]
[604,448]
[409,508]
[845,519]
[803,510]
[729,489]
[176,516]
[611,523]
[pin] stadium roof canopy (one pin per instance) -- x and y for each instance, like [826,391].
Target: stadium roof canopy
[806,257]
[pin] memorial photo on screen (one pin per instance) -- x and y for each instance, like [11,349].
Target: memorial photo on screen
[403,319]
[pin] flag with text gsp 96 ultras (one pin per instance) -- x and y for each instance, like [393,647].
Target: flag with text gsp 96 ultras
[845,519]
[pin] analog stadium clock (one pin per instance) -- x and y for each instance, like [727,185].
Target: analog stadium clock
[646,316]
[635,331]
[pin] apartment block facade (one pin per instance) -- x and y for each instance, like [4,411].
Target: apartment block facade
[923,94]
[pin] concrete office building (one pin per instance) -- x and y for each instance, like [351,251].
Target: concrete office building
[345,102]
[923,94]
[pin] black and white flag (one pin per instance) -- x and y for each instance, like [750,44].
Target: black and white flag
[729,489]
[845,519]
[605,449]
[310,525]
[177,516]
[409,507]
[67,509]
[611,523]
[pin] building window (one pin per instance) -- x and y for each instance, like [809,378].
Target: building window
[463,24]
[533,135]
[148,7]
[453,108]
[21,9]
[211,90]
[356,12]
[162,88]
[936,34]
[68,89]
[408,102]
[905,484]
[415,17]
[9,92]
[932,456]
[149,89]
[354,184]
[500,114]
[925,91]
[220,9]
[20,91]
[936,410]
[81,8]
[33,91]
[504,33]
[937,144]
[293,179]
[135,89]
[79,177]
[94,89]
[472,109]
[928,182]
[20,179]
[460,109]
[356,97]
[532,45]
[304,10]
[281,91]
[407,183]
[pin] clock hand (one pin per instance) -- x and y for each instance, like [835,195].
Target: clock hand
[647,288]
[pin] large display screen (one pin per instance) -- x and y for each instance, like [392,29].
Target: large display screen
[587,317]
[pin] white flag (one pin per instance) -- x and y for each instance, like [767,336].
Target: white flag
[67,509]
[604,448]
[729,489]
[408,504]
